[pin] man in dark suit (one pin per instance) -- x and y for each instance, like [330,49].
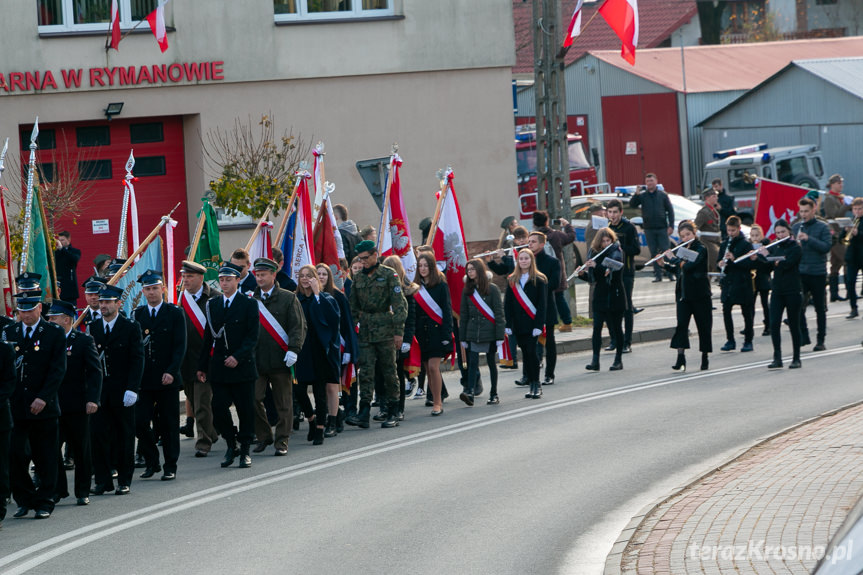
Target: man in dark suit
[118,342]
[282,278]
[66,260]
[240,258]
[79,399]
[164,327]
[550,266]
[228,362]
[41,363]
[7,386]
[199,394]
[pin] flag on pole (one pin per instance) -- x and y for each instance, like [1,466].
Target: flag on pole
[156,20]
[133,204]
[151,259]
[326,250]
[776,201]
[262,247]
[622,16]
[115,25]
[318,172]
[449,244]
[302,251]
[208,253]
[574,25]
[39,260]
[395,228]
[288,242]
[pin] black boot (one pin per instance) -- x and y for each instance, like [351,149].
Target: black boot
[245,458]
[593,365]
[188,429]
[705,362]
[340,421]
[318,436]
[618,362]
[312,424]
[231,453]
[681,363]
[776,363]
[834,289]
[382,415]
[330,429]
[392,415]
[361,418]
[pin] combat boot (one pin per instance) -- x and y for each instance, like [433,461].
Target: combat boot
[330,429]
[245,458]
[231,453]
[392,415]
[361,418]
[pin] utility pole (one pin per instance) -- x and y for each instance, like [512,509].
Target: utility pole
[552,157]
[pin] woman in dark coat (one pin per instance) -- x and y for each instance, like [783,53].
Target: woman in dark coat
[605,273]
[409,288]
[692,295]
[763,269]
[318,363]
[348,346]
[481,331]
[786,293]
[433,324]
[524,306]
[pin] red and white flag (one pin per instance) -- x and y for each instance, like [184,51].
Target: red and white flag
[262,247]
[574,25]
[326,249]
[622,16]
[395,236]
[449,245]
[156,19]
[776,201]
[115,25]
[303,251]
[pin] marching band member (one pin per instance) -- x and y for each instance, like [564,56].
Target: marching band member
[627,235]
[524,305]
[433,324]
[605,272]
[550,267]
[708,223]
[482,327]
[736,284]
[785,293]
[692,296]
[815,243]
[833,205]
[763,270]
[853,255]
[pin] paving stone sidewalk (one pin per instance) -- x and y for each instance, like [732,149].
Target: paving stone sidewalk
[770,510]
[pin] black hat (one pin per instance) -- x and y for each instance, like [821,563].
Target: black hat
[116,265]
[94,285]
[425,224]
[60,307]
[150,278]
[190,267]
[230,270]
[27,302]
[365,246]
[110,293]
[94,278]
[29,281]
[266,264]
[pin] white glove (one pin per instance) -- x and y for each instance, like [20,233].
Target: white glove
[848,200]
[445,342]
[536,332]
[346,359]
[464,345]
[290,358]
[507,331]
[406,347]
[499,343]
[129,398]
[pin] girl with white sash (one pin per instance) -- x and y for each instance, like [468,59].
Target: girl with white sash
[525,314]
[433,324]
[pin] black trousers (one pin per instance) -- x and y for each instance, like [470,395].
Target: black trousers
[242,396]
[747,309]
[628,316]
[813,290]
[529,358]
[41,437]
[549,350]
[473,366]
[702,311]
[113,435]
[791,304]
[319,390]
[162,405]
[852,268]
[764,295]
[614,319]
[5,490]
[75,431]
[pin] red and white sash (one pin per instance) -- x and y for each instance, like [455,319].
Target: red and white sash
[523,300]
[429,305]
[272,326]
[504,353]
[194,313]
[483,307]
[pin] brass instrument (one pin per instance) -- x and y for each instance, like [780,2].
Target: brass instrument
[847,239]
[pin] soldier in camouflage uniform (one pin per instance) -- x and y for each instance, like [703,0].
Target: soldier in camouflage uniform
[379,306]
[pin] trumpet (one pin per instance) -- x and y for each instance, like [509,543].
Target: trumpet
[847,239]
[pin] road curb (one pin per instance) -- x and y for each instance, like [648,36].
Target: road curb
[643,336]
[621,544]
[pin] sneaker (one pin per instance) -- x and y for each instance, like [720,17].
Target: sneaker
[493,400]
[419,393]
[410,387]
[565,327]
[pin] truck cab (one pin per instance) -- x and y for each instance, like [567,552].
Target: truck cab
[740,168]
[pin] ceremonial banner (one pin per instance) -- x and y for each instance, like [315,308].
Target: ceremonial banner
[449,243]
[776,201]
[287,246]
[39,259]
[262,246]
[302,253]
[208,253]
[413,362]
[326,250]
[395,229]
[151,259]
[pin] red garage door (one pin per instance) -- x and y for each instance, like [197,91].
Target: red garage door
[97,152]
[642,135]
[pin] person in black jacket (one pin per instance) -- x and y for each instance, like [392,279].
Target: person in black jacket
[853,254]
[79,399]
[609,296]
[41,364]
[228,362]
[524,306]
[763,269]
[66,260]
[348,347]
[726,205]
[736,284]
[247,284]
[118,342]
[482,327]
[786,291]
[627,236]
[658,216]
[7,387]
[549,266]
[692,295]
[164,327]
[92,288]
[433,324]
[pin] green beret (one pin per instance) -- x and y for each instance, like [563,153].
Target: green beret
[507,221]
[365,246]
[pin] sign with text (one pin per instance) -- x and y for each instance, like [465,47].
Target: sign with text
[101,227]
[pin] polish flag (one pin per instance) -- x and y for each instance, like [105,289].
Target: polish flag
[574,25]
[156,19]
[449,246]
[262,247]
[303,253]
[326,250]
[622,16]
[395,236]
[115,25]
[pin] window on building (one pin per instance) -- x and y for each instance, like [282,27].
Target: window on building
[146,133]
[149,166]
[825,2]
[288,10]
[95,170]
[46,140]
[90,136]
[89,15]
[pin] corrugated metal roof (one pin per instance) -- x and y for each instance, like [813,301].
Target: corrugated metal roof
[732,66]
[844,73]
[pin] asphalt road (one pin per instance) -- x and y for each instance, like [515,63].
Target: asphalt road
[529,486]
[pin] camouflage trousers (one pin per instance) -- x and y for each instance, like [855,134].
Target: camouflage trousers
[383,356]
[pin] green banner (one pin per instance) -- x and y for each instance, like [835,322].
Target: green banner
[39,259]
[208,253]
